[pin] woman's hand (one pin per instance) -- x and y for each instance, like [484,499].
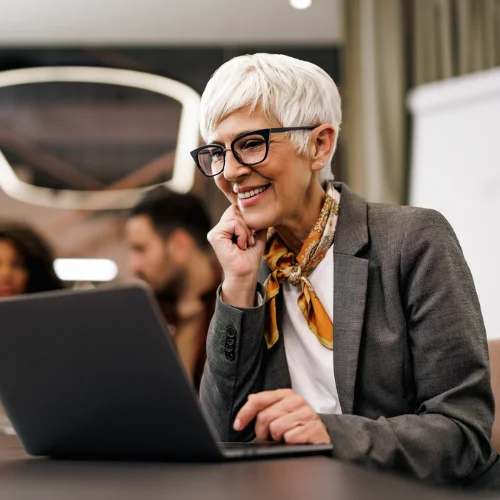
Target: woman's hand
[239,251]
[282,415]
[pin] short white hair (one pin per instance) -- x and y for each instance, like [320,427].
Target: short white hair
[287,90]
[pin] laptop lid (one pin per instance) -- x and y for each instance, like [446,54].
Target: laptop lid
[94,373]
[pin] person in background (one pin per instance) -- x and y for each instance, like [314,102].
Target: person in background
[339,321]
[26,261]
[26,266]
[167,236]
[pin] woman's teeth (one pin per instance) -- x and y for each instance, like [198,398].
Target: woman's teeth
[253,192]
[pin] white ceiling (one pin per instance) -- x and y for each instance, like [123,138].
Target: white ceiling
[174,22]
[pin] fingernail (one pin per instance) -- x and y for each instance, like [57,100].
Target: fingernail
[246,245]
[252,240]
[237,424]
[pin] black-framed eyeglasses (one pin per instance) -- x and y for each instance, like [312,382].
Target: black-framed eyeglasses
[250,148]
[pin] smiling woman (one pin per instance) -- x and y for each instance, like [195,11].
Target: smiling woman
[364,329]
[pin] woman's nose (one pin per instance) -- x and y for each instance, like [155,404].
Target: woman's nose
[233,169]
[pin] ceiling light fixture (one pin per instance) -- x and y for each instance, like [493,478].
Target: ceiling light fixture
[300,4]
[187,138]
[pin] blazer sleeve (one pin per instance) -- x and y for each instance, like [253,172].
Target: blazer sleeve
[234,366]
[448,436]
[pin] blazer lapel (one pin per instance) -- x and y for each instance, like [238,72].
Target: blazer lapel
[350,286]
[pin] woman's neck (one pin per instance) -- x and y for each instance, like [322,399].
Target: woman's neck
[301,224]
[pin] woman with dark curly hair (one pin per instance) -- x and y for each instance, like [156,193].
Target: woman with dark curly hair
[26,261]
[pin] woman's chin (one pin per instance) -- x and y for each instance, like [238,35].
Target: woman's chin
[257,223]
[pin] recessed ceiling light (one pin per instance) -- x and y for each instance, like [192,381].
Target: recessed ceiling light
[300,4]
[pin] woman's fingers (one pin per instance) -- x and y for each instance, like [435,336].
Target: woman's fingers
[233,212]
[255,404]
[239,255]
[233,231]
[234,227]
[282,415]
[312,432]
[269,421]
[300,416]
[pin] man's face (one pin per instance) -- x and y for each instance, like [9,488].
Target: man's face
[149,257]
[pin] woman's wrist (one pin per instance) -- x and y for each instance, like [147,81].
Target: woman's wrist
[239,292]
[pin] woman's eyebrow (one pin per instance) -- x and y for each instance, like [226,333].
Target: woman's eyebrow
[219,143]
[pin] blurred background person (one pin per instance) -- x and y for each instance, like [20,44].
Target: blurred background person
[167,237]
[26,261]
[26,266]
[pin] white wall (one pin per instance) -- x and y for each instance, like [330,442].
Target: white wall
[137,22]
[456,170]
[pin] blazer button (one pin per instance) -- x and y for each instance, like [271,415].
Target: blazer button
[230,342]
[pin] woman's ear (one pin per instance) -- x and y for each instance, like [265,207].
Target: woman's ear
[322,142]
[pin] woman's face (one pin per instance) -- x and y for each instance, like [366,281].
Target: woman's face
[290,181]
[13,273]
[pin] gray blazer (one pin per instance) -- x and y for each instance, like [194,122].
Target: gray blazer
[410,357]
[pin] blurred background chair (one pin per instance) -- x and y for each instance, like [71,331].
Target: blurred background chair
[494,349]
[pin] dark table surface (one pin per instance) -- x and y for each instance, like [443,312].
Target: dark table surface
[311,478]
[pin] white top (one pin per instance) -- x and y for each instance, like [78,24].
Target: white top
[311,364]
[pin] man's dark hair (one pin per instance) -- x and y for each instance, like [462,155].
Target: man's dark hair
[168,211]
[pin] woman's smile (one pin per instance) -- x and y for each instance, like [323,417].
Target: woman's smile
[248,197]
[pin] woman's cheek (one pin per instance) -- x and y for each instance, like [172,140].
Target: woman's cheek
[21,281]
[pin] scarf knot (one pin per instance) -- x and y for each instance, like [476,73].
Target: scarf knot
[293,274]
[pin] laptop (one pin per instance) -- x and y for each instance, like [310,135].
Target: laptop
[95,374]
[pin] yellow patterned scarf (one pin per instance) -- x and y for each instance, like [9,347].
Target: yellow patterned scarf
[284,265]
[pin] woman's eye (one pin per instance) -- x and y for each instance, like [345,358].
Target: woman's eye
[253,144]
